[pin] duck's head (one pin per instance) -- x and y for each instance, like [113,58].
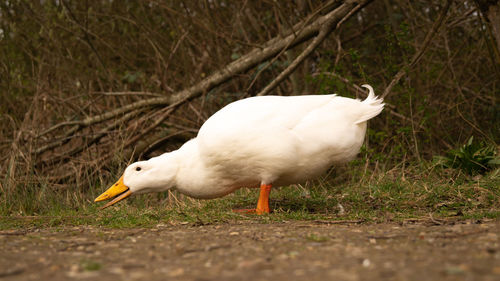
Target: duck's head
[155,175]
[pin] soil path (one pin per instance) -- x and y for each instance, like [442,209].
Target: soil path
[250,251]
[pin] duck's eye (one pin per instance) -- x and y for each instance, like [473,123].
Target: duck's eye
[138,169]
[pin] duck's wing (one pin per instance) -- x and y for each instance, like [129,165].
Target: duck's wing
[255,135]
[336,130]
[263,112]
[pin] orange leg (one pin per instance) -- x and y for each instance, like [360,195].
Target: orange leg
[263,204]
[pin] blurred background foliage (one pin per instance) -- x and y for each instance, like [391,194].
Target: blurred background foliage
[63,61]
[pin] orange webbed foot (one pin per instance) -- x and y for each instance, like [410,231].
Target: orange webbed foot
[262,205]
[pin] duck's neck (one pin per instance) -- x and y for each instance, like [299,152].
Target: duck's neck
[194,178]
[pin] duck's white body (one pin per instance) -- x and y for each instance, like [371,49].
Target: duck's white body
[260,140]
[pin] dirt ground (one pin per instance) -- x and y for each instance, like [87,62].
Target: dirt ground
[316,250]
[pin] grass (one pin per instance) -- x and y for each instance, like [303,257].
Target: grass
[392,195]
[90,265]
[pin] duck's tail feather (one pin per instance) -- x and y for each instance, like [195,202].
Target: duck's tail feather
[372,106]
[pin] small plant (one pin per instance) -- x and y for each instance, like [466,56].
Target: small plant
[90,265]
[316,238]
[472,157]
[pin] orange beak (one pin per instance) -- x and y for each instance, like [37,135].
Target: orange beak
[118,189]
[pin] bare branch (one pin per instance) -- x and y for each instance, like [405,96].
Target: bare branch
[129,93]
[414,60]
[93,140]
[331,19]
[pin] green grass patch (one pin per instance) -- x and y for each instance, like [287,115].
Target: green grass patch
[316,238]
[90,265]
[393,195]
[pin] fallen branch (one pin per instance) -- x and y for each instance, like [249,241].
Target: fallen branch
[89,142]
[296,28]
[416,57]
[327,27]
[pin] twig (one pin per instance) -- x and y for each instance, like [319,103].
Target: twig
[158,121]
[57,126]
[416,57]
[331,20]
[174,50]
[473,126]
[128,94]
[493,49]
[86,35]
[64,139]
[95,139]
[78,125]
[339,221]
[295,29]
[434,220]
[154,142]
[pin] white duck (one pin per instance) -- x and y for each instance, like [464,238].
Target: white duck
[259,141]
